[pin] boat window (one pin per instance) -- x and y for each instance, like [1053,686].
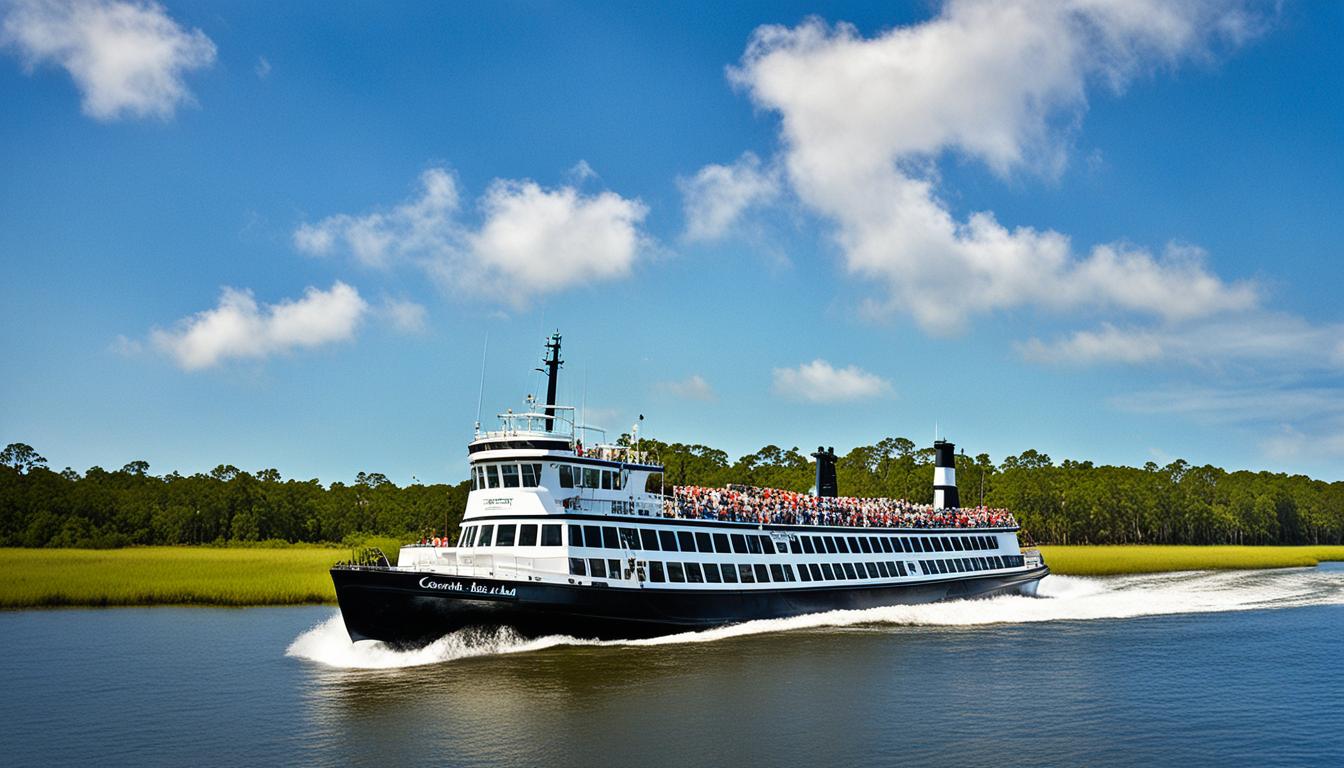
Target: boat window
[492,475]
[777,572]
[575,536]
[693,573]
[668,540]
[897,568]
[849,570]
[509,473]
[702,542]
[762,573]
[610,539]
[882,570]
[504,535]
[827,572]
[614,568]
[550,535]
[941,544]
[473,478]
[830,544]
[527,535]
[816,570]
[803,573]
[886,543]
[744,573]
[842,545]
[956,542]
[806,541]
[629,538]
[754,544]
[597,567]
[566,479]
[590,477]
[782,547]
[984,563]
[867,544]
[739,544]
[721,543]
[606,480]
[656,571]
[592,535]
[462,537]
[922,544]
[767,546]
[675,573]
[576,567]
[854,544]
[729,573]
[685,541]
[531,475]
[649,538]
[618,480]
[943,567]
[712,573]
[483,540]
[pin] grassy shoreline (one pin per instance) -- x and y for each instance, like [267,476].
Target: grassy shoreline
[52,578]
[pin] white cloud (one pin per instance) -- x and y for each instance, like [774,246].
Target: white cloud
[127,58]
[406,316]
[240,328]
[693,387]
[865,121]
[820,382]
[717,196]
[263,68]
[531,240]
[581,172]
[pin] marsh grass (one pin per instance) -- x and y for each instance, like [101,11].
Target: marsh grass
[35,578]
[1113,560]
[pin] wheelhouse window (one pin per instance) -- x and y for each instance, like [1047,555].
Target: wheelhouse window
[492,475]
[486,532]
[510,474]
[504,535]
[590,478]
[550,535]
[575,536]
[531,475]
[592,535]
[566,476]
[527,535]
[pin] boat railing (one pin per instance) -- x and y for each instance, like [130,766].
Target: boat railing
[654,505]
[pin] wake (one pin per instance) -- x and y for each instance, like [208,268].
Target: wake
[1061,598]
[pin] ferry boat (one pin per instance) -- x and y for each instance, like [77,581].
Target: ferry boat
[567,536]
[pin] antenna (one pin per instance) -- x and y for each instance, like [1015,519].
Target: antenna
[481,394]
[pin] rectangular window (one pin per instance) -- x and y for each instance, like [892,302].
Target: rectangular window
[492,474]
[592,536]
[744,573]
[807,545]
[827,572]
[693,573]
[830,544]
[816,570]
[649,538]
[762,573]
[840,544]
[575,536]
[656,571]
[531,475]
[938,544]
[854,544]
[900,567]
[849,570]
[942,566]
[886,543]
[527,535]
[767,545]
[550,535]
[782,547]
[473,478]
[739,544]
[686,541]
[610,539]
[566,479]
[712,573]
[504,535]
[629,538]
[803,573]
[777,572]
[576,567]
[721,543]
[668,540]
[867,544]
[462,537]
[882,569]
[702,542]
[754,544]
[729,573]
[613,568]
[598,567]
[606,480]
[618,480]
[955,541]
[924,544]
[483,540]
[510,474]
[590,478]
[675,573]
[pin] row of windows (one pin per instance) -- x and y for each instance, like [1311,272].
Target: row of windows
[591,477]
[751,573]
[510,534]
[505,475]
[610,537]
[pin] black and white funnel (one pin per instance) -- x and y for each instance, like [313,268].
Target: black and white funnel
[945,475]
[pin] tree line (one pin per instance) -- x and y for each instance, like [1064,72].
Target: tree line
[1070,502]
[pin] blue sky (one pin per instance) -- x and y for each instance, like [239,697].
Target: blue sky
[278,236]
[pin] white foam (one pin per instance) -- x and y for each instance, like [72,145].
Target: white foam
[1059,598]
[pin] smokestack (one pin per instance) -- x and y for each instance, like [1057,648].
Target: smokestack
[826,484]
[945,475]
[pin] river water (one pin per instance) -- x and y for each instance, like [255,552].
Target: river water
[1228,669]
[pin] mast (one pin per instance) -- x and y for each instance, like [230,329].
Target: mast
[552,371]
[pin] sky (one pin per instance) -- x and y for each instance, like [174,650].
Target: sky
[315,236]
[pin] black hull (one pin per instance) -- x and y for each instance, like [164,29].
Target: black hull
[414,608]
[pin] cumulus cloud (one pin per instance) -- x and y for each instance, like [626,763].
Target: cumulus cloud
[866,120]
[820,382]
[530,239]
[127,57]
[239,327]
[404,315]
[717,196]
[694,387]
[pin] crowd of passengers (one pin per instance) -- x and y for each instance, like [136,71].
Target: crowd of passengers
[741,503]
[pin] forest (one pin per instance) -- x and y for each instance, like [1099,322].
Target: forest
[1065,502]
